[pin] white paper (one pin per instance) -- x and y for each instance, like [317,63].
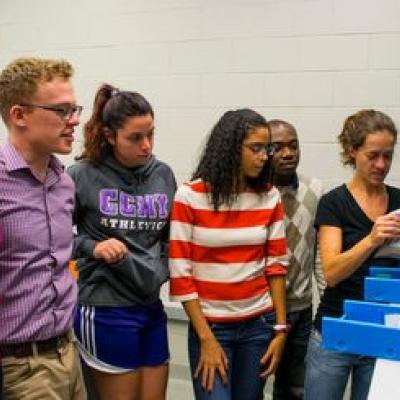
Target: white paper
[385,381]
[392,248]
[392,320]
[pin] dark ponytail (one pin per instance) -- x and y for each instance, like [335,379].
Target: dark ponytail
[111,109]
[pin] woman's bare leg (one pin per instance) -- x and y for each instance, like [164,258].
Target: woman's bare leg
[117,386]
[154,382]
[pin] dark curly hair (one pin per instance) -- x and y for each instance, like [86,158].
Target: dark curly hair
[111,108]
[221,160]
[356,127]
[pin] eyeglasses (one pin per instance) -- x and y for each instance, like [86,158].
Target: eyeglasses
[64,111]
[258,148]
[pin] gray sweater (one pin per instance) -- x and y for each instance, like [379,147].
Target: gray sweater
[133,206]
[300,201]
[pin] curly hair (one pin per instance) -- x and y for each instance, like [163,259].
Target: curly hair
[19,80]
[111,108]
[221,160]
[356,127]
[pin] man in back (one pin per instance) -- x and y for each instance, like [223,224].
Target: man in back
[300,196]
[37,292]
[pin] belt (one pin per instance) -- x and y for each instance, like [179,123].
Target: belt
[28,349]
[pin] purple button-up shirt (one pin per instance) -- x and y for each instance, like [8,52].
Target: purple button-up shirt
[37,292]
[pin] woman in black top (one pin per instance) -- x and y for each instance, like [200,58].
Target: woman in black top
[353,221]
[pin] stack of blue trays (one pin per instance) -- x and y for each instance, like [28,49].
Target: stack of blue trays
[362,329]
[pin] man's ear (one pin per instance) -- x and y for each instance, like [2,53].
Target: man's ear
[109,135]
[16,116]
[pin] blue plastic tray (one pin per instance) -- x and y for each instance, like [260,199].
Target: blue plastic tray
[362,331]
[386,290]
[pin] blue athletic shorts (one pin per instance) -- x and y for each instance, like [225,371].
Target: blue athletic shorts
[122,339]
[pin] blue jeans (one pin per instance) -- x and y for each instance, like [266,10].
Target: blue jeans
[327,372]
[244,343]
[289,377]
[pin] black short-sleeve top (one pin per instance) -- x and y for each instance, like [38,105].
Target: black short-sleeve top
[339,208]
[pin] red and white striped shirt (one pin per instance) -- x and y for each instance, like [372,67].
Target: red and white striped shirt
[224,258]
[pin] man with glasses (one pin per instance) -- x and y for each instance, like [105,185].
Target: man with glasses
[300,196]
[37,292]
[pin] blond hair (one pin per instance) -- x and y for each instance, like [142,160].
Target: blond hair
[19,79]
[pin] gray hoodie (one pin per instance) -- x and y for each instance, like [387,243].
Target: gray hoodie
[133,206]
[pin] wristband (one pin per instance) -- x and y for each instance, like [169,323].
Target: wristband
[281,328]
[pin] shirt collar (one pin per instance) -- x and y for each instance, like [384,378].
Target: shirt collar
[14,160]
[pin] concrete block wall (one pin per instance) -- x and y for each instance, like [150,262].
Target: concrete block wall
[312,62]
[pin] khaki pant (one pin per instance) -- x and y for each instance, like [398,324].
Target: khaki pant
[54,375]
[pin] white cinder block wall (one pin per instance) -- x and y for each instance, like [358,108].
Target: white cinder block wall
[311,62]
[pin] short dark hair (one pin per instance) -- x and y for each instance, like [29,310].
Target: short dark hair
[274,123]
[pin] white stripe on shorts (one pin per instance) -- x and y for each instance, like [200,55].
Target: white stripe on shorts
[92,333]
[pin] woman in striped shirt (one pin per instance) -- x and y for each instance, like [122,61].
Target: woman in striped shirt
[228,260]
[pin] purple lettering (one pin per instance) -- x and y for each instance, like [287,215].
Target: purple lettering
[107,200]
[127,205]
[162,201]
[145,206]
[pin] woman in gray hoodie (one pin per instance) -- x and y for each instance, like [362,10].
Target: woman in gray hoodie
[123,199]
